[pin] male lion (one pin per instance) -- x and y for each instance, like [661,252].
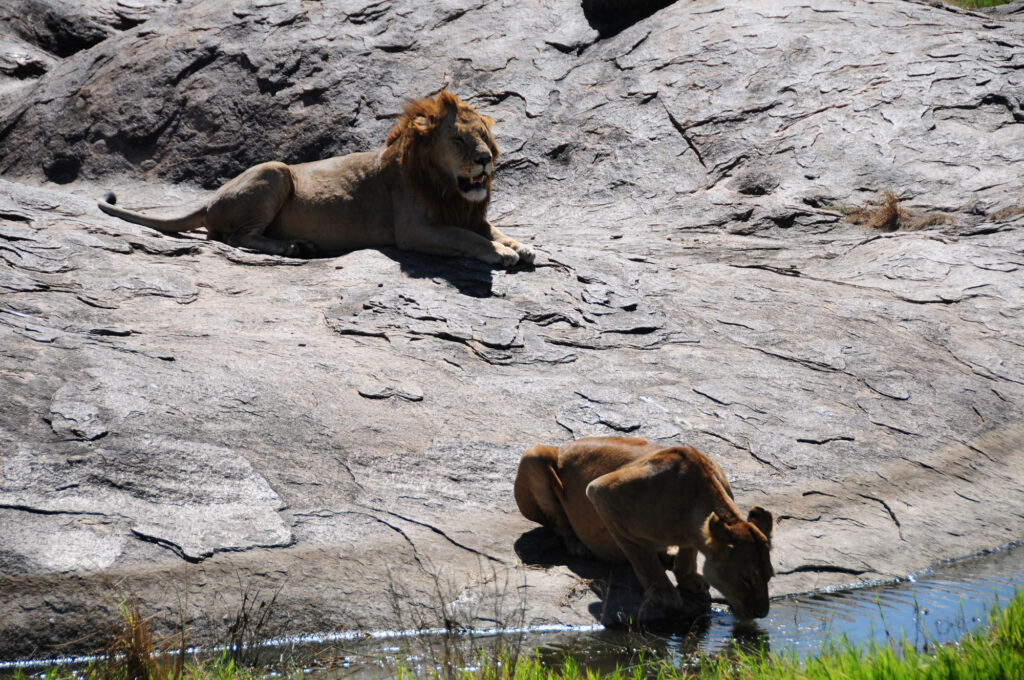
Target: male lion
[629,499]
[427,190]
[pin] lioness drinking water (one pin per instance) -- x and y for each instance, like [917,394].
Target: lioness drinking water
[625,498]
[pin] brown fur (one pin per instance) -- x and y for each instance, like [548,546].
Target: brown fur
[627,499]
[426,190]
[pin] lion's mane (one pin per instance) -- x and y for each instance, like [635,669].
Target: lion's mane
[414,140]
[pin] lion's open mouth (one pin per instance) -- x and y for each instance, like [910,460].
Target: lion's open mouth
[468,184]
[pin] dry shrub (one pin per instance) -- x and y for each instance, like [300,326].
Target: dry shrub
[1007,213]
[130,648]
[889,216]
[459,609]
[132,653]
[249,626]
[915,223]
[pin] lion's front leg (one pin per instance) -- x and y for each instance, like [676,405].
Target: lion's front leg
[424,238]
[526,253]
[648,568]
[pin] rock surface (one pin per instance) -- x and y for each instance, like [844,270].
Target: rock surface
[184,420]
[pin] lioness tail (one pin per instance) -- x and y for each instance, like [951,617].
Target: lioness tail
[169,225]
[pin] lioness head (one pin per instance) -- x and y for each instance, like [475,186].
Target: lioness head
[737,563]
[447,146]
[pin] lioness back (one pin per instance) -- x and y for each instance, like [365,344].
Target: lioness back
[580,463]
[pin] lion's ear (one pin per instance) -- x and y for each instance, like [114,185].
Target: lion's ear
[715,532]
[488,121]
[762,519]
[447,103]
[421,124]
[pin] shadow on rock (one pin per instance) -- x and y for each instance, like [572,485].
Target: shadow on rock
[468,276]
[621,596]
[609,17]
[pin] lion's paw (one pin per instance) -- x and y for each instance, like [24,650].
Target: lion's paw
[693,586]
[668,599]
[300,248]
[503,256]
[578,548]
[525,252]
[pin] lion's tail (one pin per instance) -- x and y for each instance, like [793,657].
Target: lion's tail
[168,225]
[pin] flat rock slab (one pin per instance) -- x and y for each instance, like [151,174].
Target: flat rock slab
[194,423]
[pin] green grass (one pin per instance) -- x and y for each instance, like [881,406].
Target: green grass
[974,4]
[995,652]
[221,668]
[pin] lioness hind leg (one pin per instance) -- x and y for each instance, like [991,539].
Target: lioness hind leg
[539,494]
[242,209]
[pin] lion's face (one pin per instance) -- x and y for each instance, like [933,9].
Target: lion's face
[447,146]
[737,562]
[466,149]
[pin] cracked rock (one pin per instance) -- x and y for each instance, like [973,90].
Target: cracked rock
[183,416]
[386,390]
[71,416]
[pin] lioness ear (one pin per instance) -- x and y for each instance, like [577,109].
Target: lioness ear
[488,121]
[715,532]
[762,519]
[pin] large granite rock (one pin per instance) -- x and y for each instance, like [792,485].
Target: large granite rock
[186,421]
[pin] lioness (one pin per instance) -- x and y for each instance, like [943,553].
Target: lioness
[630,499]
[427,190]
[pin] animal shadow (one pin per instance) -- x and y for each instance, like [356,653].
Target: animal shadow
[620,596]
[468,276]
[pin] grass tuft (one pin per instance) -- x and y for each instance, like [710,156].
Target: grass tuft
[888,216]
[1007,213]
[976,4]
[132,653]
[130,650]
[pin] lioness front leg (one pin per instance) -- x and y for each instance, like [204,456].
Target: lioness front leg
[616,510]
[649,570]
[689,582]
